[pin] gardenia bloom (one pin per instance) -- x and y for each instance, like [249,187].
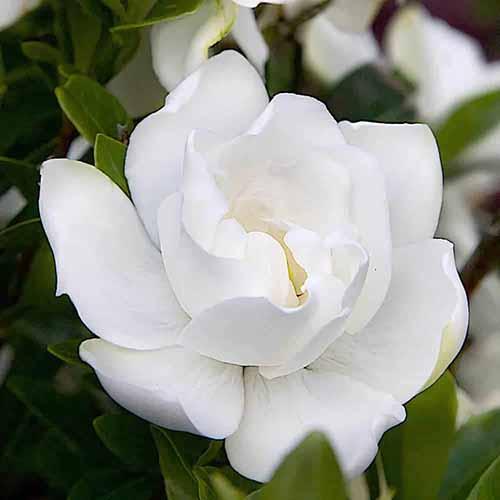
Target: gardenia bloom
[448,68]
[12,10]
[338,40]
[275,272]
[181,45]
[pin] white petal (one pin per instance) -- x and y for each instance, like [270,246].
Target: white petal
[78,148]
[225,95]
[331,53]
[181,45]
[370,216]
[334,266]
[409,158]
[418,330]
[12,10]
[136,86]
[247,35]
[254,3]
[202,280]
[104,259]
[353,15]
[292,123]
[445,63]
[280,412]
[11,204]
[170,387]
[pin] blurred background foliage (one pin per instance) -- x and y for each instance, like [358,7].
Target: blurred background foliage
[60,435]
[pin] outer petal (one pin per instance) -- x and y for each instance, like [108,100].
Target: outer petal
[416,333]
[105,261]
[247,35]
[331,53]
[181,45]
[280,412]
[171,387]
[136,86]
[409,158]
[225,95]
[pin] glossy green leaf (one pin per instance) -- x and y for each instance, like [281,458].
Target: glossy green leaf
[67,351]
[369,93]
[109,156]
[416,452]
[310,471]
[164,10]
[92,109]
[112,485]
[55,462]
[205,488]
[488,487]
[42,52]
[281,68]
[180,482]
[70,416]
[224,489]
[129,438]
[476,446]
[214,448]
[85,31]
[468,124]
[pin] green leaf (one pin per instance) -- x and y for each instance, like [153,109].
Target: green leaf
[488,487]
[129,438]
[224,489]
[42,52]
[109,155]
[180,482]
[416,452]
[205,489]
[369,93]
[467,124]
[85,31]
[476,446]
[214,448]
[310,471]
[67,351]
[164,10]
[92,109]
[112,485]
[55,461]
[281,68]
[70,416]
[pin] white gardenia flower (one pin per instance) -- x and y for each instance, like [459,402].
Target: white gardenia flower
[12,10]
[275,272]
[338,40]
[181,45]
[447,66]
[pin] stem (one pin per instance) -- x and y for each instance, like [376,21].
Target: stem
[485,258]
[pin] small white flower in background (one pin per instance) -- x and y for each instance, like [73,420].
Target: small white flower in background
[181,45]
[11,204]
[338,40]
[274,274]
[447,66]
[12,10]
[479,367]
